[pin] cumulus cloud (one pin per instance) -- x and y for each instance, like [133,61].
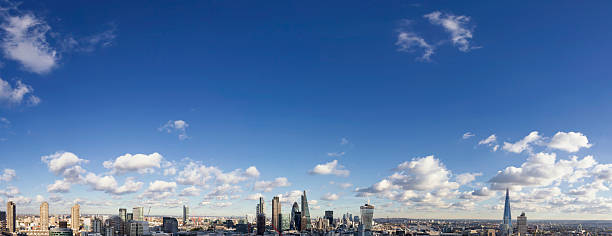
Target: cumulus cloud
[489,140]
[330,168]
[457,26]
[65,164]
[344,141]
[330,197]
[466,178]
[9,191]
[108,184]
[179,126]
[8,175]
[141,163]
[18,94]
[569,142]
[542,169]
[59,186]
[190,191]
[25,41]
[159,189]
[523,144]
[195,173]
[252,172]
[267,186]
[342,185]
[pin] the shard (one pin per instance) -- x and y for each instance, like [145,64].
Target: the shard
[506,227]
[305,214]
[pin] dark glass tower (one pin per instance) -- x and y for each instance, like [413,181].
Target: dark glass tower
[506,227]
[294,224]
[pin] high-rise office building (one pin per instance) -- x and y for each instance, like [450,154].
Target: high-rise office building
[329,215]
[185,214]
[44,216]
[367,216]
[293,224]
[261,224]
[138,213]
[60,232]
[276,210]
[129,216]
[11,216]
[298,220]
[306,226]
[123,214]
[169,225]
[522,224]
[96,225]
[139,228]
[506,227]
[261,206]
[75,218]
[2,221]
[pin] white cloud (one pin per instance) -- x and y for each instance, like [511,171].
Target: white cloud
[467,135]
[342,185]
[425,173]
[223,204]
[254,196]
[20,200]
[65,164]
[16,95]
[108,184]
[252,172]
[489,140]
[267,186]
[9,191]
[330,168]
[179,126]
[59,186]
[159,189]
[523,144]
[91,42]
[330,197]
[466,178]
[569,142]
[141,163]
[542,169]
[195,173]
[190,191]
[25,41]
[410,41]
[8,175]
[456,26]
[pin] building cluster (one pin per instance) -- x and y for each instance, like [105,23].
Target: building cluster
[296,222]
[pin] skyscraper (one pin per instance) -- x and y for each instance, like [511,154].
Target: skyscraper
[306,226]
[44,216]
[123,214]
[329,215]
[506,227]
[367,215]
[185,214]
[169,225]
[276,210]
[75,218]
[261,224]
[522,224]
[293,220]
[2,221]
[261,206]
[11,216]
[138,213]
[96,225]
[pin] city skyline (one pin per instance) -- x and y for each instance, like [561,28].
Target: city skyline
[428,110]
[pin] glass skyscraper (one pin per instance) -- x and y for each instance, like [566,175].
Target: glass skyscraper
[306,226]
[506,227]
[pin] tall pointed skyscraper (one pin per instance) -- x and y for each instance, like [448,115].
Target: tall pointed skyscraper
[506,227]
[306,226]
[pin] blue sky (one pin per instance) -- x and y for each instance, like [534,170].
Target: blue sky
[347,100]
